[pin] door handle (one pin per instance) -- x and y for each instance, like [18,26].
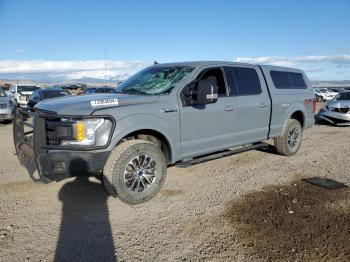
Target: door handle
[168,110]
[263,105]
[229,108]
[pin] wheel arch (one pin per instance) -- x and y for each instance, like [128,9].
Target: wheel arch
[300,116]
[296,113]
[166,145]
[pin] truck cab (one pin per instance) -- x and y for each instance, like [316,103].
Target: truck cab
[165,114]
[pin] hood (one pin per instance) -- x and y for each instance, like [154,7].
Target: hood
[339,104]
[86,104]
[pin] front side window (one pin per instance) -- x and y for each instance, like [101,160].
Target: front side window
[154,80]
[215,75]
[242,81]
[287,80]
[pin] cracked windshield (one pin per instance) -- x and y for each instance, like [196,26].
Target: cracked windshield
[154,80]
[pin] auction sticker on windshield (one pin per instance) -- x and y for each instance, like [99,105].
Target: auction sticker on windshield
[105,102]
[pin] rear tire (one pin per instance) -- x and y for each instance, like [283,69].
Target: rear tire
[289,143]
[135,171]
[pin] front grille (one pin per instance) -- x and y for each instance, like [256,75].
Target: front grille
[57,130]
[344,110]
[3,106]
[23,98]
[51,139]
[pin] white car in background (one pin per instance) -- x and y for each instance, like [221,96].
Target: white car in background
[20,93]
[323,94]
[6,106]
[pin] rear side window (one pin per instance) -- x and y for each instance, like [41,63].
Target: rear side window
[287,80]
[242,81]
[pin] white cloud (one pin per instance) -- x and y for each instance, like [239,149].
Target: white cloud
[290,61]
[71,69]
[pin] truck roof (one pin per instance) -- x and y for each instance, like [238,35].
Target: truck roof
[204,63]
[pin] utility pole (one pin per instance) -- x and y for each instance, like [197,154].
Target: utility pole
[105,66]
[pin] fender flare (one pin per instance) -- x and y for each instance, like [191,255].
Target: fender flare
[294,108]
[131,128]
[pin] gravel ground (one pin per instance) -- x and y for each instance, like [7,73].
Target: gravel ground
[250,206]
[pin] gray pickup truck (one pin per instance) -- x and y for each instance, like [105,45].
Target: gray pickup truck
[167,114]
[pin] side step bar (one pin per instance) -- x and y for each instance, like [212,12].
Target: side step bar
[220,154]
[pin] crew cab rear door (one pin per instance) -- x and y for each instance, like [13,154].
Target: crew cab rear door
[251,103]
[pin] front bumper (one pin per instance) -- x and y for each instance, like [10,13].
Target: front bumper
[6,114]
[45,164]
[22,103]
[335,118]
[55,166]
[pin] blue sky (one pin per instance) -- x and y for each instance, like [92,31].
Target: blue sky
[39,36]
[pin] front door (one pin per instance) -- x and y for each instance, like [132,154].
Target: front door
[207,128]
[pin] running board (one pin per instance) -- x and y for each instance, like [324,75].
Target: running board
[220,154]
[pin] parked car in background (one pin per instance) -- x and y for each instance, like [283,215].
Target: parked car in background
[21,93]
[104,89]
[337,110]
[55,87]
[43,94]
[336,90]
[6,106]
[323,94]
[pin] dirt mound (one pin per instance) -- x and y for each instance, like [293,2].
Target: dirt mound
[293,222]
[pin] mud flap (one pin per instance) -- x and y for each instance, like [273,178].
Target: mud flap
[24,141]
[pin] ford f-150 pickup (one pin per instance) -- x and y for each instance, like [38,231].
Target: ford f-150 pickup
[166,114]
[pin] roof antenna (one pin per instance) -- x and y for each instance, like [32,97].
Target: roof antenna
[155,63]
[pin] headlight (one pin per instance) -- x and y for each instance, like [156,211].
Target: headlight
[23,98]
[90,132]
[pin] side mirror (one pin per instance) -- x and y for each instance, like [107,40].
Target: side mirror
[207,92]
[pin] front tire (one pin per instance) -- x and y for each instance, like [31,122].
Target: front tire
[289,143]
[135,171]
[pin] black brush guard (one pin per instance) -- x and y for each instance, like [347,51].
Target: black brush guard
[44,160]
[29,135]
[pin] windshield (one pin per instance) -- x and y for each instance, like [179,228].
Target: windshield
[342,96]
[2,93]
[154,80]
[26,88]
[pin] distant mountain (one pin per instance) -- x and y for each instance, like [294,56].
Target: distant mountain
[342,83]
[49,79]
